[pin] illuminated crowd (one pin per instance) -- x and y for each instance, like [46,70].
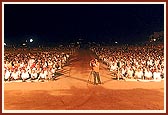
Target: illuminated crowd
[144,62]
[124,61]
[35,64]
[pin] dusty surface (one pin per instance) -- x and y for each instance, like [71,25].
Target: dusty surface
[73,92]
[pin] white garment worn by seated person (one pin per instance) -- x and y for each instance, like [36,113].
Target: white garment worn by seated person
[15,75]
[130,73]
[31,61]
[139,74]
[7,74]
[25,75]
[113,67]
[156,76]
[123,71]
[42,75]
[148,74]
[33,75]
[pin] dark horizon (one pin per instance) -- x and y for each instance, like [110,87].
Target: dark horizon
[126,23]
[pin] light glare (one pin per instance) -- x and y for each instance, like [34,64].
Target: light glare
[31,40]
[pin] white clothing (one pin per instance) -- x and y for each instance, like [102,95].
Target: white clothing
[148,74]
[24,75]
[34,75]
[156,76]
[123,71]
[130,73]
[42,75]
[46,72]
[139,74]
[15,75]
[31,61]
[53,70]
[113,67]
[7,74]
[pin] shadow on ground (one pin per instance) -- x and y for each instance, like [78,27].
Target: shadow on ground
[92,98]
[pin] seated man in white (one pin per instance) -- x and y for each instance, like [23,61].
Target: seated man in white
[33,74]
[130,73]
[15,75]
[156,75]
[42,76]
[24,75]
[7,74]
[138,74]
[113,67]
[148,74]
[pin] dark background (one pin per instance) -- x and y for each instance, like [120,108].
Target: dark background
[66,23]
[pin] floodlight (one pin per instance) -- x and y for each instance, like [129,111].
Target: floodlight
[31,40]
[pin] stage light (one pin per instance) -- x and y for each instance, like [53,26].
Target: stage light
[116,42]
[4,44]
[31,40]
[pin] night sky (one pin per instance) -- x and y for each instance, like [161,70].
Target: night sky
[92,22]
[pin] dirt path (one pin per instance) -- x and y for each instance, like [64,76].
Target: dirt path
[73,92]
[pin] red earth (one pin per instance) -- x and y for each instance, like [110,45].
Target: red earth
[72,91]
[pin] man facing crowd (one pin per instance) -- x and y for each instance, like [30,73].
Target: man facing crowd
[95,69]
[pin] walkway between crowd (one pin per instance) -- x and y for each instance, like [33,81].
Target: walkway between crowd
[79,70]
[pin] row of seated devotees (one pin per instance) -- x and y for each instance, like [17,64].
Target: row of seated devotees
[29,65]
[137,73]
[24,75]
[133,62]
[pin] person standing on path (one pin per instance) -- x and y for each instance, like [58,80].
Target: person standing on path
[95,69]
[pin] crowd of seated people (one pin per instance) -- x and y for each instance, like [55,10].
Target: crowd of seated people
[35,64]
[134,61]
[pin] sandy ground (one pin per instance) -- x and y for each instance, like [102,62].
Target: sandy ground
[72,91]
